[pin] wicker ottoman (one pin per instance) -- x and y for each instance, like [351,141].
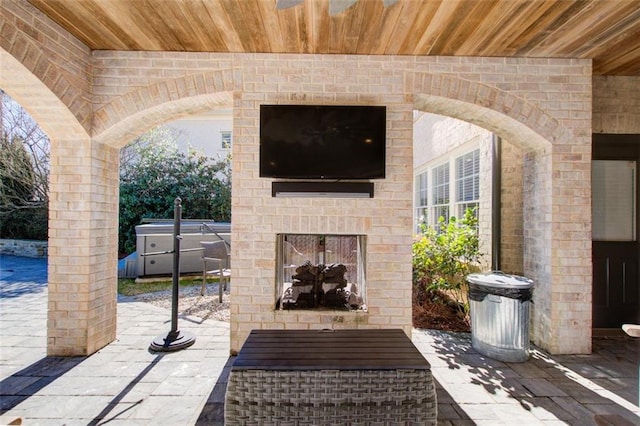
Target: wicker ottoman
[282,378]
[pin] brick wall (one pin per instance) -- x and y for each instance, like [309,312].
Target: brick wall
[83,241]
[385,219]
[60,96]
[616,105]
[552,97]
[512,233]
[50,74]
[542,106]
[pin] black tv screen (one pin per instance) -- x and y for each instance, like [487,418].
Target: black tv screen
[322,142]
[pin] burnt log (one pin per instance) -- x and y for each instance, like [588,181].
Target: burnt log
[298,282]
[321,285]
[334,270]
[335,298]
[308,272]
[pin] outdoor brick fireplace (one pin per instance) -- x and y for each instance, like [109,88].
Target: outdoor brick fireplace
[315,259]
[320,272]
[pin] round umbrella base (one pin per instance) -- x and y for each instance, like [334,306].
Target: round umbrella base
[172,341]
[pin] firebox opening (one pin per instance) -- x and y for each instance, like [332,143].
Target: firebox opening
[320,272]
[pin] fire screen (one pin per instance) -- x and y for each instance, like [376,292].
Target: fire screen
[323,272]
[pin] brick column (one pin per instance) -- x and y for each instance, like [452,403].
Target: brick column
[83,230]
[571,259]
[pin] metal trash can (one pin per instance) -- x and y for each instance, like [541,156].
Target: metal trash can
[499,310]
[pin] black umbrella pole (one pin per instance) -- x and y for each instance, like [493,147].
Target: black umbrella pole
[175,339]
[175,275]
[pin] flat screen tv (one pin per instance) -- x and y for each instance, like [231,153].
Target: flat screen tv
[322,142]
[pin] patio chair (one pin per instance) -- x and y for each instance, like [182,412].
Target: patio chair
[215,253]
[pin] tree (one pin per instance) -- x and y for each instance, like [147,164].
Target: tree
[153,172]
[24,174]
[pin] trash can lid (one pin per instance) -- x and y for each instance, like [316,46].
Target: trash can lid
[499,279]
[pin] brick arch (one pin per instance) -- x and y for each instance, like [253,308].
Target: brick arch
[127,116]
[509,116]
[544,212]
[50,58]
[44,106]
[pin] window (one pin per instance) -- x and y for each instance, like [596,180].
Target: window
[614,200]
[467,182]
[422,199]
[440,196]
[226,139]
[436,195]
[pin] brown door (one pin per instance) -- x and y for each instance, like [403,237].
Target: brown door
[616,247]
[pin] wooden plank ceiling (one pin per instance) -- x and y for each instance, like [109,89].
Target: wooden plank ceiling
[608,31]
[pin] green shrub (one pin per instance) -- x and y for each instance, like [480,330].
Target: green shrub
[29,224]
[443,256]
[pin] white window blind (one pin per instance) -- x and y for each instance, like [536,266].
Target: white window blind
[614,200]
[440,182]
[468,177]
[468,182]
[422,199]
[422,190]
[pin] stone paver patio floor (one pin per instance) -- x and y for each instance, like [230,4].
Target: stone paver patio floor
[126,384]
[601,388]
